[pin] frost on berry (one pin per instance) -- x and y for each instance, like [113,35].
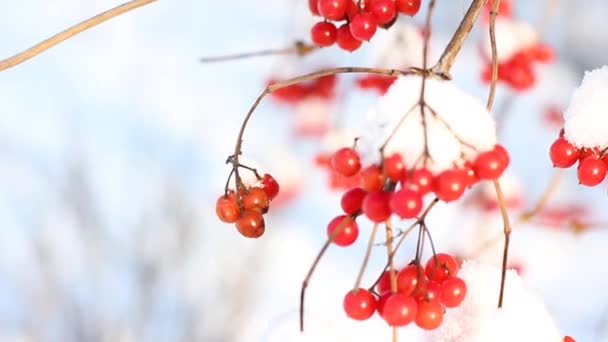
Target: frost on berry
[523,316]
[457,118]
[514,36]
[586,118]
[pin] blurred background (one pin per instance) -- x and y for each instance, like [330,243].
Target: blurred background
[112,151]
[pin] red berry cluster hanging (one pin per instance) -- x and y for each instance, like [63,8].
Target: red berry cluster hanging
[592,161]
[322,87]
[378,199]
[518,71]
[358,20]
[422,294]
[246,210]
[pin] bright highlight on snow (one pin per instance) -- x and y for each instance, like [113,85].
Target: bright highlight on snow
[523,317]
[457,118]
[586,118]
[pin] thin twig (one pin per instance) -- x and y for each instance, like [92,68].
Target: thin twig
[527,216]
[497,187]
[391,266]
[286,83]
[299,48]
[315,263]
[70,32]
[544,198]
[492,91]
[445,62]
[368,252]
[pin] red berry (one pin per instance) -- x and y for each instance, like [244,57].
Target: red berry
[441,267]
[521,77]
[450,185]
[372,179]
[406,203]
[491,164]
[408,7]
[227,209]
[429,315]
[324,33]
[359,304]
[431,291]
[569,339]
[270,186]
[349,230]
[332,9]
[563,154]
[376,206]
[345,39]
[357,6]
[394,167]
[384,284]
[251,224]
[363,26]
[381,302]
[543,53]
[472,178]
[346,162]
[384,11]
[591,171]
[411,280]
[352,200]
[256,199]
[452,293]
[313,6]
[422,179]
[399,310]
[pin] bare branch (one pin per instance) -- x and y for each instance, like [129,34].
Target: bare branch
[70,32]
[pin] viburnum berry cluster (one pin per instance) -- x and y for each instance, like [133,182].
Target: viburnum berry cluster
[518,52]
[377,196]
[421,294]
[592,162]
[358,20]
[247,206]
[584,139]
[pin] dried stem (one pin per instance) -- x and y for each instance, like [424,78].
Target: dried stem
[530,214]
[286,83]
[492,91]
[368,252]
[497,188]
[544,198]
[391,266]
[445,62]
[70,32]
[299,48]
[315,263]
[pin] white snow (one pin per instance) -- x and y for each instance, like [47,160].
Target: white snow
[465,114]
[586,119]
[523,317]
[512,36]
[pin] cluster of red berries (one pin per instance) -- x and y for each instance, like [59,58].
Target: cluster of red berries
[379,83]
[421,294]
[518,71]
[322,87]
[378,203]
[247,209]
[361,20]
[592,162]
